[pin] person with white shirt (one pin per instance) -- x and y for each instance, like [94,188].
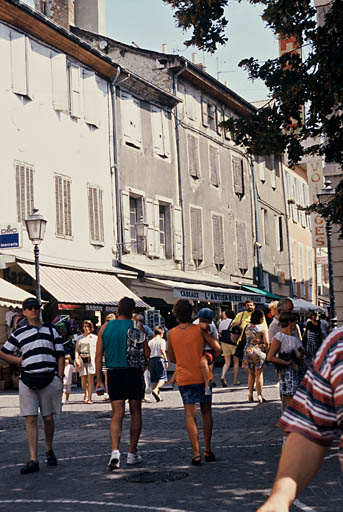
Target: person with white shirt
[227,347]
[158,362]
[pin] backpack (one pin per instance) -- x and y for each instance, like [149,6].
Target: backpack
[225,335]
[135,348]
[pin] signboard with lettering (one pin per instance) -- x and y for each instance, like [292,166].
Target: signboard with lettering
[214,296]
[10,236]
[315,184]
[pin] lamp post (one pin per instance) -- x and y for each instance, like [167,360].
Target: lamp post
[324,197]
[35,225]
[142,233]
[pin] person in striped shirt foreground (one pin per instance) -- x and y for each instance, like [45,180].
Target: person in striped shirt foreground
[37,349]
[313,419]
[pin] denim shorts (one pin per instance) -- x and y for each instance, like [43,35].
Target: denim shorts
[194,393]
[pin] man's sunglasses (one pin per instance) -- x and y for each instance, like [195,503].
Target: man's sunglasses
[30,308]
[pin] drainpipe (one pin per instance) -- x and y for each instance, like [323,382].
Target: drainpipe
[179,168]
[116,165]
[258,241]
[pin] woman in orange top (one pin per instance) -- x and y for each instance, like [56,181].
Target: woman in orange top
[185,348]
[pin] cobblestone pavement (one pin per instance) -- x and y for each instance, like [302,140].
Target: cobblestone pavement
[246,442]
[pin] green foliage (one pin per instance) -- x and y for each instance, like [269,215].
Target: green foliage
[315,82]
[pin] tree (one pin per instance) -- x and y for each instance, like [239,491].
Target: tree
[306,95]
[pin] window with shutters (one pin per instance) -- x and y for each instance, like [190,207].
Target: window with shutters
[196,231]
[131,120]
[191,105]
[136,215]
[63,206]
[24,190]
[20,64]
[238,176]
[264,226]
[242,249]
[209,114]
[74,90]
[90,96]
[193,156]
[214,166]
[278,232]
[218,241]
[96,215]
[165,250]
[160,132]
[59,82]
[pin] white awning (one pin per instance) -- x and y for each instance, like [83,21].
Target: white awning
[71,286]
[302,306]
[11,295]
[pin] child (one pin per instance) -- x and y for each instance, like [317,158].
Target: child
[206,315]
[287,353]
[67,380]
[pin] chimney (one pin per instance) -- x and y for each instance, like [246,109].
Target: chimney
[195,58]
[164,48]
[60,11]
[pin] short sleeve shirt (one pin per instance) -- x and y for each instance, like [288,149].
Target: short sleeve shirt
[187,345]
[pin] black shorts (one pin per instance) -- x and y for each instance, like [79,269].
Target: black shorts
[125,383]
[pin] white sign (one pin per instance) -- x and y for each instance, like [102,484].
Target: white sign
[315,184]
[214,296]
[10,236]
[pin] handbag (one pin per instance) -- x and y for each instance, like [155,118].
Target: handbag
[236,331]
[37,380]
[147,379]
[241,345]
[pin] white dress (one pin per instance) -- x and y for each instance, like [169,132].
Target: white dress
[88,344]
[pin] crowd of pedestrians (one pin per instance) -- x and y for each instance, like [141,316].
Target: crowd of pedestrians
[124,347]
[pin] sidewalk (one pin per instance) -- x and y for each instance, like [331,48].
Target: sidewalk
[246,442]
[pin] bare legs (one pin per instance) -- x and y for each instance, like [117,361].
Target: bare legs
[32,434]
[255,376]
[192,429]
[205,370]
[87,383]
[235,369]
[118,412]
[225,368]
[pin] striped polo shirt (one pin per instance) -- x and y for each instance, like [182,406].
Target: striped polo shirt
[316,410]
[39,347]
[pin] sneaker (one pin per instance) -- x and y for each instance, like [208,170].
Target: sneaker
[114,462]
[208,390]
[134,458]
[51,459]
[30,467]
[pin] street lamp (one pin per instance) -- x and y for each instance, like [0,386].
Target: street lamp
[324,197]
[142,232]
[35,225]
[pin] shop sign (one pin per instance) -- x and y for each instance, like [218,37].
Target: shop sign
[315,184]
[10,236]
[208,296]
[93,307]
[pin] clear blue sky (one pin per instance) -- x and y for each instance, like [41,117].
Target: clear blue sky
[150,23]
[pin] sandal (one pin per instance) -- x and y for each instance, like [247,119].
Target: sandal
[250,398]
[209,457]
[261,399]
[196,461]
[89,402]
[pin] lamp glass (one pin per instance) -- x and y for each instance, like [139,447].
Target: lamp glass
[35,225]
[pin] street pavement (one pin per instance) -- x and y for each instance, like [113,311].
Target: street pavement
[246,441]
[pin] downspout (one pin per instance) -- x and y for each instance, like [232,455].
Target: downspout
[116,166]
[258,241]
[287,233]
[179,168]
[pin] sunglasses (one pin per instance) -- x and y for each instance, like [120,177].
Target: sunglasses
[30,308]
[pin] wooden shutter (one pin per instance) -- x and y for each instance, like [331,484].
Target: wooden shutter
[238,175]
[157,130]
[218,239]
[214,165]
[196,229]
[166,136]
[20,63]
[74,90]
[193,156]
[63,206]
[59,205]
[242,250]
[67,208]
[90,90]
[24,190]
[125,211]
[59,82]
[260,166]
[204,112]
[137,132]
[178,250]
[95,207]
[156,209]
[130,119]
[150,219]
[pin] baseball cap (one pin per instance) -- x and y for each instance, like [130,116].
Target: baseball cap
[31,302]
[206,314]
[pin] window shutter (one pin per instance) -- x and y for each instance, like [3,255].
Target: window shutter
[67,210]
[193,156]
[74,84]
[20,60]
[157,130]
[214,166]
[90,90]
[137,122]
[178,250]
[130,119]
[101,216]
[91,214]
[59,82]
[218,239]
[156,209]
[238,175]
[219,118]
[59,206]
[96,228]
[150,218]
[204,112]
[261,168]
[190,105]
[166,137]
[24,190]
[196,228]
[125,211]
[242,250]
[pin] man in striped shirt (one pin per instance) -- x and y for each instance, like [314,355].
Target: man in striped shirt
[38,350]
[313,420]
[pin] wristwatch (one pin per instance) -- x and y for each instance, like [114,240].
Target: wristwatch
[59,376]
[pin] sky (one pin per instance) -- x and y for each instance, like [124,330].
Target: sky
[150,23]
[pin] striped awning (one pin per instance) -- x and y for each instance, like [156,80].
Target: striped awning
[84,287]
[11,295]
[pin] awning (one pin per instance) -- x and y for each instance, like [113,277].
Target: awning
[203,292]
[11,295]
[302,306]
[93,289]
[268,295]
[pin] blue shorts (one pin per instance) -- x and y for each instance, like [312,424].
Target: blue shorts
[194,393]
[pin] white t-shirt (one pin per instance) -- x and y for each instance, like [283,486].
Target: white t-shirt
[156,344]
[68,374]
[287,343]
[224,324]
[213,331]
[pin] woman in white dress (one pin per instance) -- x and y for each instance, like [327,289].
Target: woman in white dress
[85,359]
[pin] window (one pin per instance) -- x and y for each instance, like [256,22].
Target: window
[160,132]
[24,190]
[191,105]
[193,156]
[218,241]
[134,217]
[20,64]
[261,168]
[90,95]
[74,91]
[177,230]
[264,226]
[209,114]
[96,215]
[165,250]
[214,166]
[159,229]
[196,230]
[278,232]
[270,165]
[238,176]
[242,249]
[63,206]
[59,82]
[131,120]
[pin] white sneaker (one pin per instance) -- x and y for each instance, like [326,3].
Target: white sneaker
[208,391]
[134,458]
[114,462]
